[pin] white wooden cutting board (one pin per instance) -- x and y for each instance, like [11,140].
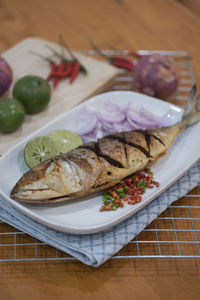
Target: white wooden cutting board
[100,76]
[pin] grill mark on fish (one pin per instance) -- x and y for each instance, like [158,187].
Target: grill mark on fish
[148,140]
[122,140]
[97,150]
[124,145]
[91,149]
[125,150]
[110,160]
[157,138]
[147,136]
[142,149]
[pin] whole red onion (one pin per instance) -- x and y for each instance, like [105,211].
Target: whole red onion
[6,76]
[156,75]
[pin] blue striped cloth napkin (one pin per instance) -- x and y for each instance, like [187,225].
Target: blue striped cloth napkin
[95,249]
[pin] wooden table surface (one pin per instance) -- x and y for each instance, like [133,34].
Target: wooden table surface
[121,24]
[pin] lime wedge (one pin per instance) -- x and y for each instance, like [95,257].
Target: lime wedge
[39,149]
[65,140]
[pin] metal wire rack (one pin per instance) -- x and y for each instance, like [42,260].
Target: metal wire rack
[174,234]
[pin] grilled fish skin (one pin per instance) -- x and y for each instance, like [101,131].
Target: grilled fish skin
[95,166]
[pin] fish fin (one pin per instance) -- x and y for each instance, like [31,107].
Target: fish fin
[192,110]
[191,101]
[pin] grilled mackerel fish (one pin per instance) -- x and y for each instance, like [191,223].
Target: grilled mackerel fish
[95,166]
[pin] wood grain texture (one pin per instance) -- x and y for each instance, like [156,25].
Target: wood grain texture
[193,5]
[122,24]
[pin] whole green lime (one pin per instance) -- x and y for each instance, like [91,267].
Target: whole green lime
[33,92]
[12,115]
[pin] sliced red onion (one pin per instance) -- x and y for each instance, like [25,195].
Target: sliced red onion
[150,119]
[111,112]
[138,120]
[94,123]
[99,131]
[87,122]
[122,126]
[89,137]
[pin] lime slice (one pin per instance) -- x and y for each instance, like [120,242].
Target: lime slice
[65,140]
[39,149]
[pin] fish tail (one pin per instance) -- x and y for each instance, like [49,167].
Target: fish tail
[192,110]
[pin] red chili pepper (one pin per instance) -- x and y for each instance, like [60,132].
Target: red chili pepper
[53,70]
[52,63]
[123,64]
[135,53]
[75,71]
[121,58]
[64,69]
[60,68]
[66,72]
[74,58]
[117,61]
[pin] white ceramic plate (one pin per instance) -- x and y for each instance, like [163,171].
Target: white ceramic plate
[82,216]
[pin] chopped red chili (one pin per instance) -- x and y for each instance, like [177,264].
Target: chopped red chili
[129,191]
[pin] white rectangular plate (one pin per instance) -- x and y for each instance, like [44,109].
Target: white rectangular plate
[82,216]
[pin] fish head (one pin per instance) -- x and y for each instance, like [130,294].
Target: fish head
[46,182]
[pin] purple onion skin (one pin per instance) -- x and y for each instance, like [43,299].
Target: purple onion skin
[6,76]
[156,75]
